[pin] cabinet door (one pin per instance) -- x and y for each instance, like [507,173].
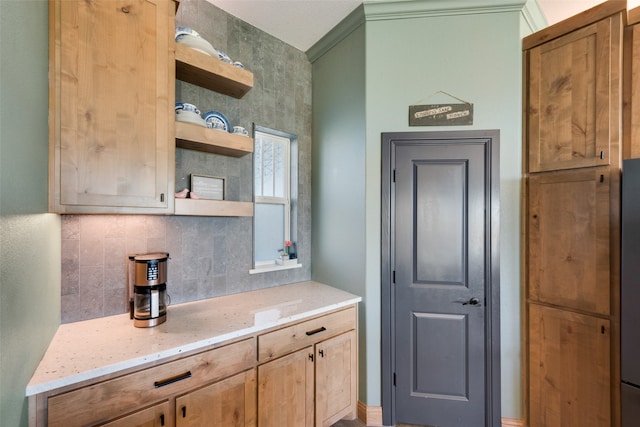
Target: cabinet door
[573,112]
[285,391]
[227,403]
[336,379]
[155,416]
[111,101]
[569,239]
[569,368]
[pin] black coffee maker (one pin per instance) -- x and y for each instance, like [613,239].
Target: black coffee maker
[148,289]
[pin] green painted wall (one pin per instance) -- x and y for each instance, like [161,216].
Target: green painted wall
[338,173]
[413,50]
[29,237]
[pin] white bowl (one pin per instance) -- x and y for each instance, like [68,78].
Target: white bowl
[182,30]
[197,43]
[190,117]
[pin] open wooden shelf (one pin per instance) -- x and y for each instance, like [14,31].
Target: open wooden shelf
[194,137]
[210,73]
[200,207]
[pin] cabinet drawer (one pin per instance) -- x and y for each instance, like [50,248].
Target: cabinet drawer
[106,400]
[283,341]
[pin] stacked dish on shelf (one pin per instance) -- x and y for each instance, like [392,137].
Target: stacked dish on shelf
[191,38]
[189,113]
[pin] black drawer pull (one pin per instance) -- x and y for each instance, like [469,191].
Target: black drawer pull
[172,380]
[316,331]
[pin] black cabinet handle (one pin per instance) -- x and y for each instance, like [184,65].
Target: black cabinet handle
[161,419]
[184,412]
[172,380]
[321,352]
[316,331]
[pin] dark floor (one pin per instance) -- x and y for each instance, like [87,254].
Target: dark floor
[358,423]
[344,423]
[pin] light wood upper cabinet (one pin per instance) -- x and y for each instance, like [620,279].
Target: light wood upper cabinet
[112,138]
[573,91]
[569,239]
[571,352]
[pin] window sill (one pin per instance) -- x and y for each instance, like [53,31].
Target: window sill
[267,266]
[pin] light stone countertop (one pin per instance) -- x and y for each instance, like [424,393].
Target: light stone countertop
[89,349]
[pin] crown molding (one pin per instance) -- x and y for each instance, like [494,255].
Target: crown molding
[533,16]
[378,10]
[345,27]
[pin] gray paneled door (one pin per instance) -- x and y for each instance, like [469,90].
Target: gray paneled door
[441,279]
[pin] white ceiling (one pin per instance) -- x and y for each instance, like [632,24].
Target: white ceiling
[301,23]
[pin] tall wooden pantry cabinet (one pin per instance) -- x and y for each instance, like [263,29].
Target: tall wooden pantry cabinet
[573,77]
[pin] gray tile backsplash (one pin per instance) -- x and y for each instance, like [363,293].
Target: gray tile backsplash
[209,256]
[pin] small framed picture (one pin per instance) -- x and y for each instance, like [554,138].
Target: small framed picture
[208,187]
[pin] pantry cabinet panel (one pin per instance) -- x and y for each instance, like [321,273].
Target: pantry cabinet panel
[569,365]
[572,156]
[573,109]
[112,138]
[569,239]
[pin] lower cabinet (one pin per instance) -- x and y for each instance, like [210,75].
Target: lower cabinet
[335,379]
[229,403]
[304,375]
[121,401]
[155,416]
[309,374]
[285,390]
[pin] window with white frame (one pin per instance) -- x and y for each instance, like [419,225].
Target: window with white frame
[275,182]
